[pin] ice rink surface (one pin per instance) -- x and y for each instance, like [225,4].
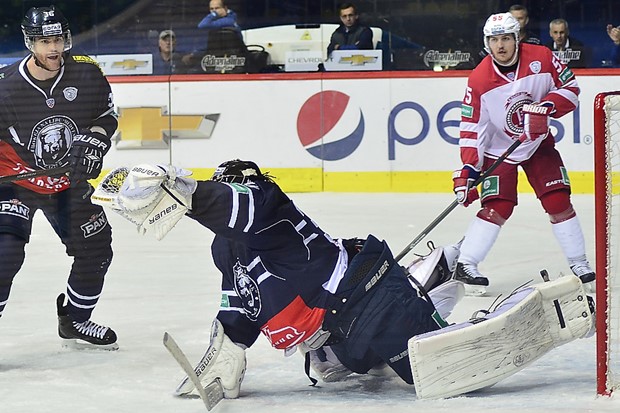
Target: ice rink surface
[172,285]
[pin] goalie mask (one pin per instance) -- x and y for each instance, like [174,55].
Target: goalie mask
[44,22]
[239,172]
[154,197]
[498,24]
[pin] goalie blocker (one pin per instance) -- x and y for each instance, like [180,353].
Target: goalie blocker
[479,353]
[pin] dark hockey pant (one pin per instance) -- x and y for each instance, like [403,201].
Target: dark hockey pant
[380,313]
[82,227]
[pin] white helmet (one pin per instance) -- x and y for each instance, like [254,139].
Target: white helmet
[501,23]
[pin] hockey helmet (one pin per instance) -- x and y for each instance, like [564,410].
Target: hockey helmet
[238,171]
[43,22]
[501,23]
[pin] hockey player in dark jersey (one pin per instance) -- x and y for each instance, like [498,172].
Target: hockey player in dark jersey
[282,275]
[56,111]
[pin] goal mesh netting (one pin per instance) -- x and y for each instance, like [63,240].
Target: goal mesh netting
[607,227]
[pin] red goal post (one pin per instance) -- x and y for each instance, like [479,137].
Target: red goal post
[607,228]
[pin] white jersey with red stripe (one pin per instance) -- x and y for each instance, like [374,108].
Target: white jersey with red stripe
[491,112]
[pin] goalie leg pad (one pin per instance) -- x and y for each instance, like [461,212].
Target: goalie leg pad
[224,361]
[479,353]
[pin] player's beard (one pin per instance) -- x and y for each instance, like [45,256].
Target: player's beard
[49,62]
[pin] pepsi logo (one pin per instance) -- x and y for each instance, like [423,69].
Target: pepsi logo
[329,126]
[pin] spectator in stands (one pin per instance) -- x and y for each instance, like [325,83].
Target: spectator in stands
[167,61]
[520,13]
[571,51]
[350,35]
[220,17]
[614,35]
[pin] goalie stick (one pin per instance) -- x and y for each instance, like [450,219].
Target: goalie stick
[210,395]
[34,174]
[454,203]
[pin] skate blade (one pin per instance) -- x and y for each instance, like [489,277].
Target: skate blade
[77,344]
[475,290]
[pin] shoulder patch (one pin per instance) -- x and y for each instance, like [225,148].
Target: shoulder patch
[85,59]
[467,111]
[566,75]
[242,189]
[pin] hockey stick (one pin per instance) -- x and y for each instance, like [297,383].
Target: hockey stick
[210,395]
[454,203]
[34,174]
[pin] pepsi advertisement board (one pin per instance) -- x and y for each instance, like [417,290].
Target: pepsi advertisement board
[400,134]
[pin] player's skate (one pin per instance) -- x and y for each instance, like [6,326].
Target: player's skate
[586,274]
[84,335]
[475,283]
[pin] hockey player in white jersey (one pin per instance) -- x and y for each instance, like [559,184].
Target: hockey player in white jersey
[512,94]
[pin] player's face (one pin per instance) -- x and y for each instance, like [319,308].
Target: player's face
[559,34]
[48,51]
[503,47]
[348,17]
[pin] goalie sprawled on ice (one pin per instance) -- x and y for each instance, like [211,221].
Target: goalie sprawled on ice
[345,303]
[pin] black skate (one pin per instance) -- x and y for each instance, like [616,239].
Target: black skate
[84,335]
[475,283]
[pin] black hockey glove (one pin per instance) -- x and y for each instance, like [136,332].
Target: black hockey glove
[86,156]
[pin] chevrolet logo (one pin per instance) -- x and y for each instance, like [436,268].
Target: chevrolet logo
[154,127]
[129,64]
[358,59]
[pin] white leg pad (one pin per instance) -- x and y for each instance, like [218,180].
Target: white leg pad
[479,353]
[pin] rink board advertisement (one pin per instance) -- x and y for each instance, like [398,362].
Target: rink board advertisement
[321,134]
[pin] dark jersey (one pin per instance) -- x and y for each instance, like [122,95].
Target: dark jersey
[278,266]
[39,119]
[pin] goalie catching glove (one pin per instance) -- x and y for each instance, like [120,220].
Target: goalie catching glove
[154,198]
[536,120]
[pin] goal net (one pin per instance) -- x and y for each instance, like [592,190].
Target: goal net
[607,227]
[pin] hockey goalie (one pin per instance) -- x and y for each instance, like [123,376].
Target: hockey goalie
[345,303]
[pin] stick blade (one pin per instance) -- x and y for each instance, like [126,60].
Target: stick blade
[211,394]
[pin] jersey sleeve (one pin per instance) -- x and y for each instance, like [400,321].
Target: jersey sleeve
[238,327]
[565,93]
[104,116]
[472,125]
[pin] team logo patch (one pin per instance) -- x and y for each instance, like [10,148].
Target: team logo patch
[490,186]
[94,225]
[566,75]
[467,111]
[535,66]
[51,139]
[247,290]
[16,208]
[51,102]
[225,301]
[70,93]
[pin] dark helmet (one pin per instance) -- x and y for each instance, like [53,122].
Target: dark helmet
[43,22]
[239,172]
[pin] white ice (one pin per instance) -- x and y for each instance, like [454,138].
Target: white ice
[172,285]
